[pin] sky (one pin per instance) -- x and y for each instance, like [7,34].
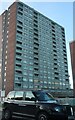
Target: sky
[60,11]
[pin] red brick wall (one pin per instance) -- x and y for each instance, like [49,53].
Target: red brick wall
[72,49]
[11,49]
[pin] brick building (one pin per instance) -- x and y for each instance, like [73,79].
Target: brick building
[72,50]
[33,50]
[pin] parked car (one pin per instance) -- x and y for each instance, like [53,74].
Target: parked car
[33,104]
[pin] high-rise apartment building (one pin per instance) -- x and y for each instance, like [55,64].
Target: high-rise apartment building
[34,50]
[72,50]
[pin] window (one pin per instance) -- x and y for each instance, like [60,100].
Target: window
[67,79]
[53,30]
[20,13]
[55,51]
[20,4]
[63,39]
[4,80]
[0,64]
[35,63]
[5,74]
[54,42]
[20,22]
[30,80]
[18,85]
[53,38]
[19,32]
[18,71]
[55,68]
[36,44]
[36,74]
[62,29]
[57,78]
[35,34]
[63,36]
[56,73]
[55,63]
[35,13]
[35,30]
[36,69]
[19,27]
[18,65]
[53,34]
[19,95]
[6,57]
[11,95]
[29,96]
[35,38]
[6,51]
[35,48]
[35,25]
[18,48]
[19,42]
[53,23]
[64,51]
[21,9]
[55,59]
[35,58]
[35,21]
[65,54]
[24,79]
[18,54]
[35,53]
[66,71]
[63,32]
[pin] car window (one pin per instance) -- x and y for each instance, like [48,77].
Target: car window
[11,95]
[50,96]
[19,95]
[43,96]
[29,96]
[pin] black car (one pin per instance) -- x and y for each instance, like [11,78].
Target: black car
[33,104]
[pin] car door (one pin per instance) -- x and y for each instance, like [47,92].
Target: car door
[28,106]
[18,103]
[10,101]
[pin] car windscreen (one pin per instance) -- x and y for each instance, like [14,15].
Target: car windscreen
[43,96]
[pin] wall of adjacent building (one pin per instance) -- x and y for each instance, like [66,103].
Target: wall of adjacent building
[72,50]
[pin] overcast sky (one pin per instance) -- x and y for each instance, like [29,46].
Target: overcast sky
[61,12]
